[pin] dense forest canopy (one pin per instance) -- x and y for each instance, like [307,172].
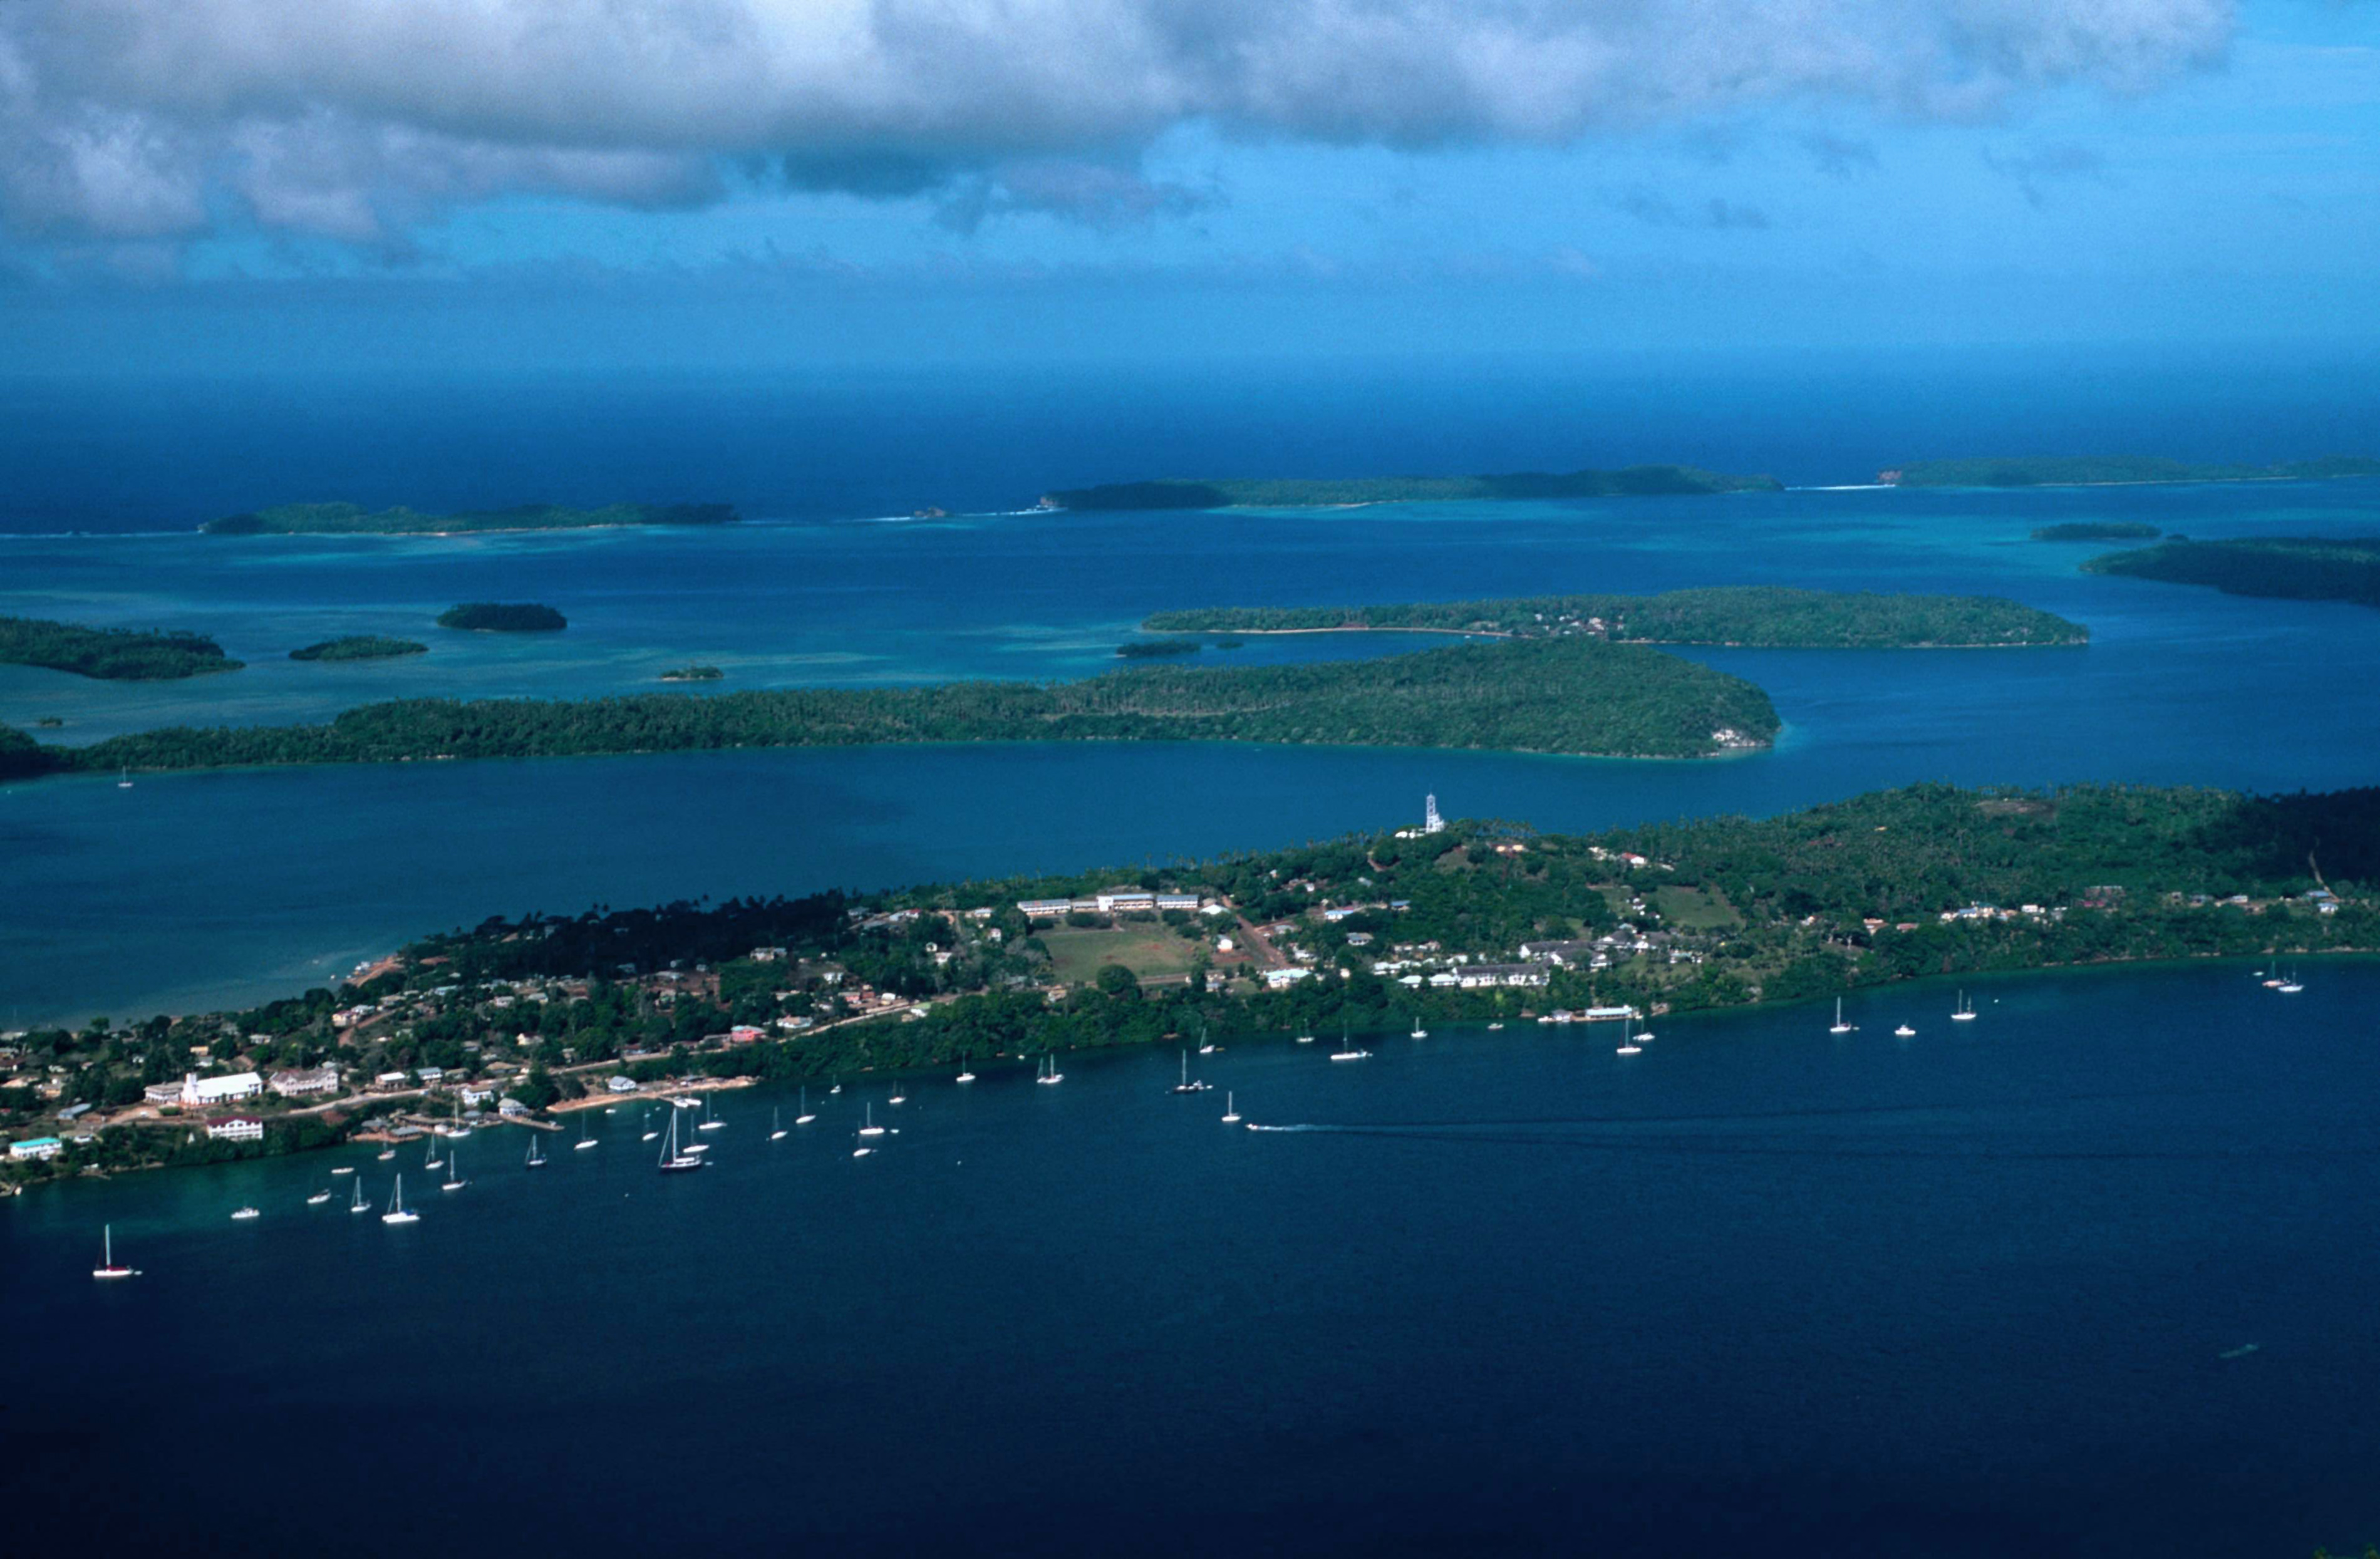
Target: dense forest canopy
[2294,568]
[1285,492]
[116,654]
[358,647]
[1764,615]
[353,519]
[495,616]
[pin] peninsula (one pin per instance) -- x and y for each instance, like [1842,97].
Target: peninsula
[1284,492]
[1764,617]
[2292,568]
[1468,922]
[1580,696]
[2111,471]
[359,647]
[354,520]
[112,654]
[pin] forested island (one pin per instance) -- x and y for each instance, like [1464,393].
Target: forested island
[112,653]
[1478,921]
[493,616]
[693,673]
[1766,616]
[1157,649]
[359,647]
[354,520]
[2293,567]
[2098,531]
[1559,696]
[1285,492]
[2111,471]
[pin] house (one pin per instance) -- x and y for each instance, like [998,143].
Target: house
[472,1095]
[745,1034]
[163,1094]
[235,1128]
[387,1080]
[621,1083]
[197,1089]
[36,1148]
[1044,909]
[311,1079]
[508,1107]
[1281,979]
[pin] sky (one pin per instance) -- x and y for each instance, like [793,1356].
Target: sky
[219,184]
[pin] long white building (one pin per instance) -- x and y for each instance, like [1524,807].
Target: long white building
[197,1089]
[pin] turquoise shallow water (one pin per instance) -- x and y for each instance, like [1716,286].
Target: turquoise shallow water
[215,887]
[2077,1278]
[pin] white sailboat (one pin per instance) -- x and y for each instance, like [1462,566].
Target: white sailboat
[455,1181]
[777,1125]
[108,1266]
[585,1141]
[535,1157]
[1206,1045]
[430,1159]
[650,1132]
[358,1205]
[345,1169]
[386,1154]
[710,1122]
[859,1149]
[1306,1039]
[124,777]
[1840,1027]
[673,1162]
[318,1197]
[1346,1051]
[1964,1012]
[898,1096]
[1419,1033]
[1050,1075]
[1185,1085]
[1231,1109]
[872,1129]
[1628,1046]
[397,1213]
[808,1115]
[966,1073]
[2289,985]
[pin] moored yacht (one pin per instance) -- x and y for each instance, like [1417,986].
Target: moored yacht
[1231,1109]
[1185,1085]
[1347,1050]
[671,1161]
[776,1125]
[1050,1075]
[108,1265]
[1904,1031]
[318,1197]
[1628,1046]
[585,1141]
[806,1114]
[1840,1027]
[397,1213]
[872,1129]
[1964,1012]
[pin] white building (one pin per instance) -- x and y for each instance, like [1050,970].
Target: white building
[163,1094]
[36,1148]
[237,1128]
[197,1089]
[311,1079]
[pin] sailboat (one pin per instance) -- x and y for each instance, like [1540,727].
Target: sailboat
[244,1214]
[124,778]
[710,1122]
[108,1266]
[1206,1045]
[535,1159]
[859,1149]
[1964,1012]
[1903,1032]
[396,1213]
[2289,985]
[345,1169]
[318,1197]
[1419,1033]
[585,1141]
[1628,1046]
[872,1129]
[1840,1027]
[1231,1110]
[776,1126]
[387,1153]
[673,1161]
[808,1115]
[898,1096]
[359,1205]
[650,1132]
[966,1073]
[455,1181]
[430,1159]
[1306,1038]
[1049,1073]
[1346,1051]
[1185,1085]
[837,1087]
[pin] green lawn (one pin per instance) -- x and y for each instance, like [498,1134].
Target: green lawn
[1152,952]
[1694,908]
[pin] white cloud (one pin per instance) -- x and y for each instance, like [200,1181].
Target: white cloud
[357,118]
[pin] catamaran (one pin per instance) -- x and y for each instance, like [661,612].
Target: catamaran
[808,1115]
[1840,1027]
[673,1161]
[1185,1085]
[1346,1051]
[1231,1109]
[1964,1012]
[585,1141]
[108,1265]
[396,1213]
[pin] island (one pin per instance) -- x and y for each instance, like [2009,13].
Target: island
[1157,649]
[2098,531]
[1765,616]
[1502,924]
[354,520]
[1286,493]
[2292,568]
[490,616]
[2111,471]
[693,673]
[359,647]
[112,654]
[1578,697]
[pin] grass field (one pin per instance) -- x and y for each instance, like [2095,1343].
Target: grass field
[1694,908]
[1152,952]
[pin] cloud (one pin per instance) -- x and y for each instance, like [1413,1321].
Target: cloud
[2035,169]
[1659,212]
[1839,155]
[157,119]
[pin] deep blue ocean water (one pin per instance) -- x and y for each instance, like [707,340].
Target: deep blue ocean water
[1756,1291]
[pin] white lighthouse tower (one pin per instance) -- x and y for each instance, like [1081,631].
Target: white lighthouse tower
[1430,821]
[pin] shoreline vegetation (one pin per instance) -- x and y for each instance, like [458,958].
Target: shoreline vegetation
[1286,493]
[1753,617]
[359,647]
[492,616]
[110,653]
[2287,568]
[693,673]
[2112,471]
[354,520]
[1479,921]
[2099,530]
[1579,698]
